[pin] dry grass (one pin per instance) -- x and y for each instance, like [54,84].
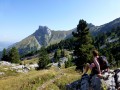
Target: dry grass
[34,79]
[27,81]
[70,75]
[7,71]
[31,61]
[52,87]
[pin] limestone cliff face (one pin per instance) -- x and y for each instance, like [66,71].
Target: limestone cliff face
[42,35]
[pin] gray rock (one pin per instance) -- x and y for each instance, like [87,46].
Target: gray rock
[33,66]
[110,83]
[96,83]
[4,63]
[2,73]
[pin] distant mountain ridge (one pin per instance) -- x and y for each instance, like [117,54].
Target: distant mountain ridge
[46,36]
[105,27]
[42,36]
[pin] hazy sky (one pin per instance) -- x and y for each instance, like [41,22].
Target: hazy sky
[20,18]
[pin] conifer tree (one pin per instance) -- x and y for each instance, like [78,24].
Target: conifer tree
[14,56]
[4,55]
[111,58]
[57,55]
[43,58]
[83,45]
[69,63]
[56,59]
[63,53]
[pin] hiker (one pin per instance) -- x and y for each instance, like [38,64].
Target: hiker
[95,66]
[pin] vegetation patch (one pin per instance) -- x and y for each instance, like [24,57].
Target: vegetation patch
[27,81]
[31,61]
[69,76]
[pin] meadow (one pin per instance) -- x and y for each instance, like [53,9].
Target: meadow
[34,79]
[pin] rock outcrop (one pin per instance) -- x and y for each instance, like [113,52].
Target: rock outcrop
[16,67]
[95,83]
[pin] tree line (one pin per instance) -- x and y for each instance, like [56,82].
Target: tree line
[82,43]
[11,56]
[111,49]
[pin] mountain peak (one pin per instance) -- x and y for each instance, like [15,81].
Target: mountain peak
[43,30]
[43,27]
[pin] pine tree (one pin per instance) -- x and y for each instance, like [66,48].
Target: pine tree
[111,58]
[83,45]
[63,53]
[57,55]
[4,55]
[69,63]
[43,58]
[14,56]
[56,59]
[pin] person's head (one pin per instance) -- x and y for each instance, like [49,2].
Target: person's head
[95,53]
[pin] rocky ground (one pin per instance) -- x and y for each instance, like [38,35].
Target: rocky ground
[95,83]
[112,83]
[16,67]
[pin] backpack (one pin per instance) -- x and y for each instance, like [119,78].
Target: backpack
[102,60]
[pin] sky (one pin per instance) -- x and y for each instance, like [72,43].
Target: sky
[21,18]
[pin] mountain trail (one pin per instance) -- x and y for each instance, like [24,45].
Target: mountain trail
[50,81]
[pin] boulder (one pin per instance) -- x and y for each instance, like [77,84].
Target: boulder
[110,83]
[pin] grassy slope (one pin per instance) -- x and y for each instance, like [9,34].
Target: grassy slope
[27,81]
[70,75]
[34,79]
[31,61]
